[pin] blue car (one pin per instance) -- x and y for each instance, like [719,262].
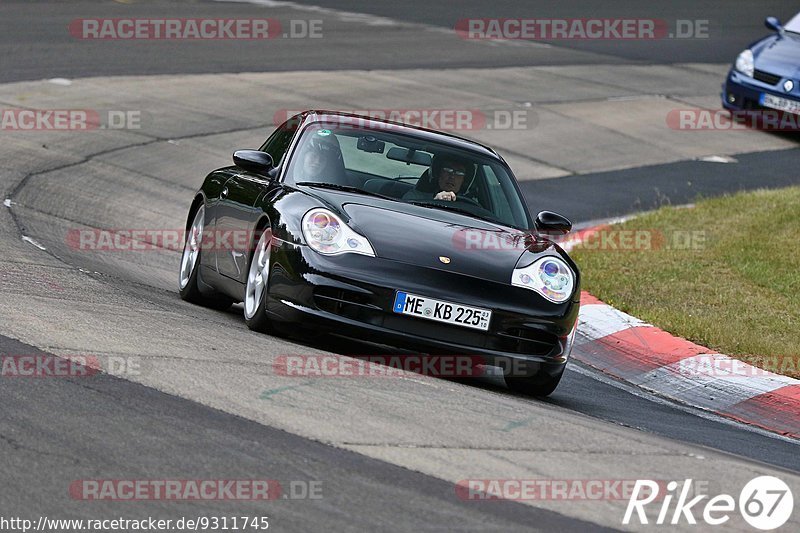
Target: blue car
[767,74]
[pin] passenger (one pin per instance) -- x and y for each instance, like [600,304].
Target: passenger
[444,180]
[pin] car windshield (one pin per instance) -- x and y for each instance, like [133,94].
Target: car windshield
[793,25]
[409,169]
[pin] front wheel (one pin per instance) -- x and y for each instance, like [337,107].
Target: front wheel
[255,293]
[190,260]
[541,384]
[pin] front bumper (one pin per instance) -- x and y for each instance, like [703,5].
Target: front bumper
[352,295]
[741,93]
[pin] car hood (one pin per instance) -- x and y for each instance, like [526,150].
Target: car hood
[778,55]
[435,238]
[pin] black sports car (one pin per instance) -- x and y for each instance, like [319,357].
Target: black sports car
[388,233]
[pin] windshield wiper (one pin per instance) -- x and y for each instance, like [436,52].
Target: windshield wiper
[457,209]
[345,188]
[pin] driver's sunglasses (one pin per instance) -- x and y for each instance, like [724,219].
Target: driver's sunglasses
[459,173]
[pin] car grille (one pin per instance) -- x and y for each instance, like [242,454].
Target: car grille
[507,337]
[528,341]
[766,77]
[347,303]
[513,340]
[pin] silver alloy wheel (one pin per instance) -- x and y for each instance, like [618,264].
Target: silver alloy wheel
[258,276]
[191,250]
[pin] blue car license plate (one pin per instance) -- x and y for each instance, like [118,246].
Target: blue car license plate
[782,104]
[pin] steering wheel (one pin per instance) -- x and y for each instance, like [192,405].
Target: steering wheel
[467,199]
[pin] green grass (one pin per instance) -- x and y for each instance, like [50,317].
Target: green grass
[737,290]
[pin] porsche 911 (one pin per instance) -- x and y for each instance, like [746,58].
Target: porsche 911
[389,233]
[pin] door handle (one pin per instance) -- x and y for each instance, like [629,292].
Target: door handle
[224,192]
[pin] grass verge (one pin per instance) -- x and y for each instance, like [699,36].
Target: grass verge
[724,274]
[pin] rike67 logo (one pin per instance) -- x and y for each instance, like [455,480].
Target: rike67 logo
[765,503]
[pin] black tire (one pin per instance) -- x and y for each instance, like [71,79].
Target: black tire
[187,278]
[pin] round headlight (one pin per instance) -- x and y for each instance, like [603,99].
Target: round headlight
[321,220]
[550,268]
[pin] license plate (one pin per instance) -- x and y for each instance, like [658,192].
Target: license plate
[447,312]
[782,104]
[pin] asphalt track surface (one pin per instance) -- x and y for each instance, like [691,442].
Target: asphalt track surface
[35,41]
[180,439]
[623,192]
[729,23]
[55,431]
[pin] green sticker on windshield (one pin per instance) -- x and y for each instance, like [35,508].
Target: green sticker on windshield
[324,133]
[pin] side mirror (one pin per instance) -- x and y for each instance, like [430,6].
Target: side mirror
[253,160]
[773,24]
[550,223]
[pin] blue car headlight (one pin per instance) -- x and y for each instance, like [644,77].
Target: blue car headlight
[745,63]
[549,276]
[327,234]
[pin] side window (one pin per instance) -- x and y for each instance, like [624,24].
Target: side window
[279,141]
[502,209]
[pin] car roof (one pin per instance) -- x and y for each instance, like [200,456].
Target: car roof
[351,119]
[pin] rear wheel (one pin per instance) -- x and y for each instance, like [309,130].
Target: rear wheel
[190,261]
[255,293]
[541,384]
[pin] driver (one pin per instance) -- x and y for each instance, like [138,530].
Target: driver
[321,158]
[449,174]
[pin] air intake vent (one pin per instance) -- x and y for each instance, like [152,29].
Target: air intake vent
[766,77]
